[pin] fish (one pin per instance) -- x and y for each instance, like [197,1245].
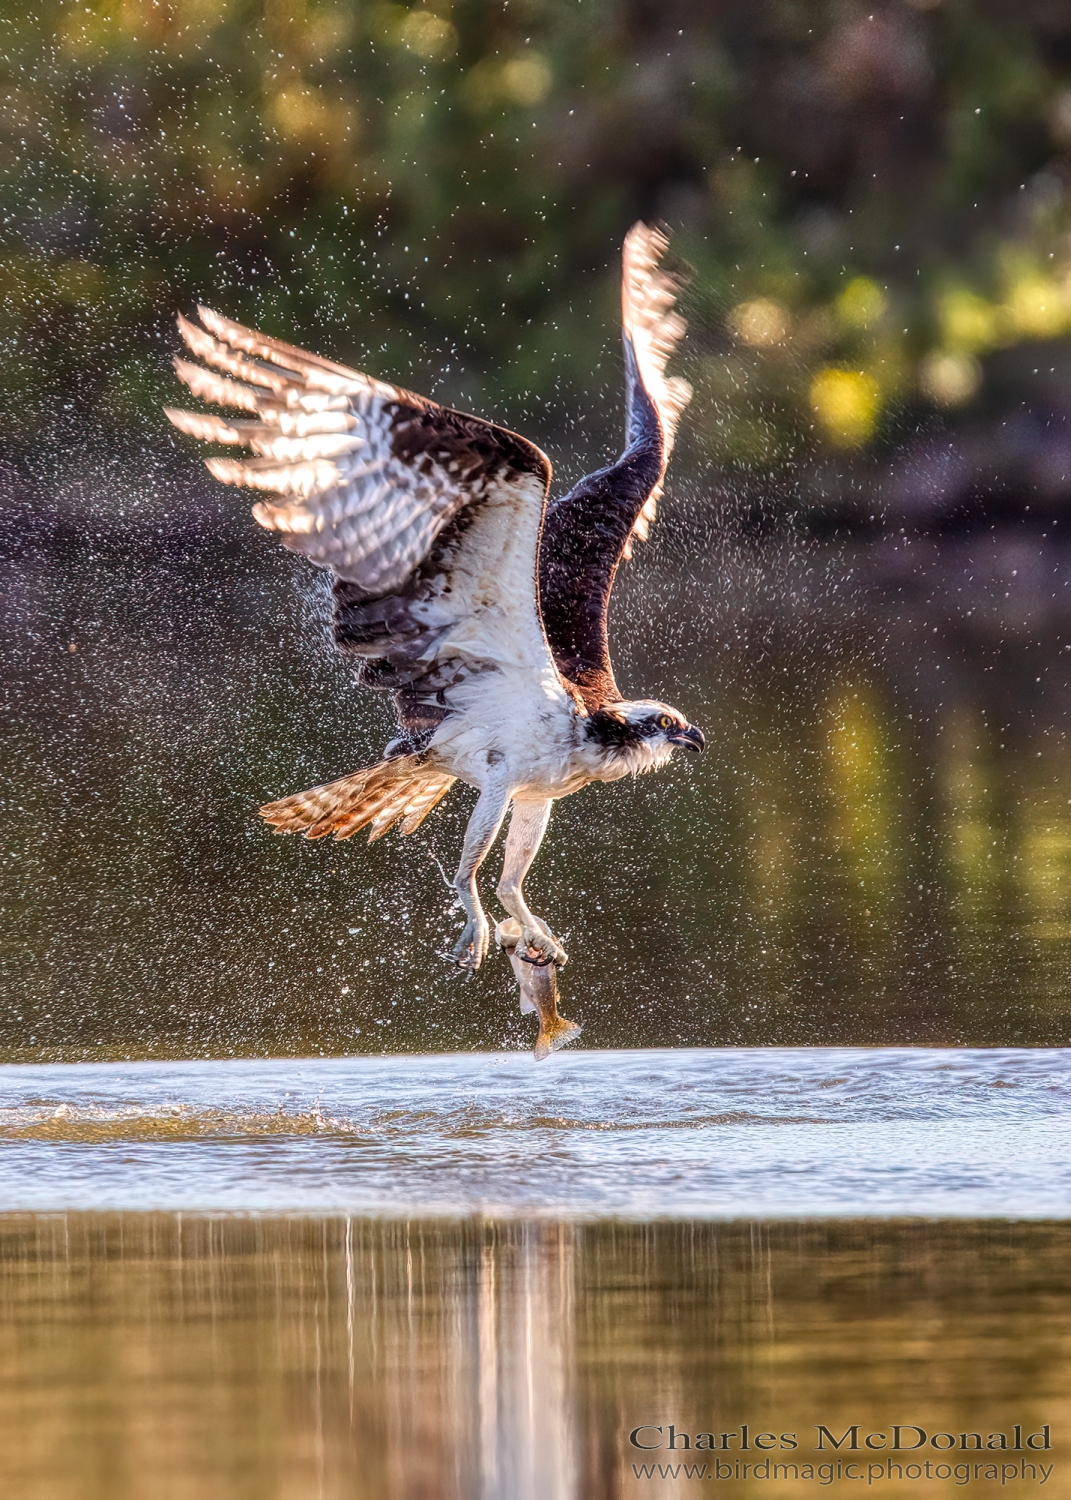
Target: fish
[539,991]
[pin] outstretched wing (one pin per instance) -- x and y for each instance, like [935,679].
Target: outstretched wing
[588,531]
[428,518]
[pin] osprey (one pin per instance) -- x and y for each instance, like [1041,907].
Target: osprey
[456,587]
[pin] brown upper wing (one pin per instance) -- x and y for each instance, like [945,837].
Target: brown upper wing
[588,531]
[428,518]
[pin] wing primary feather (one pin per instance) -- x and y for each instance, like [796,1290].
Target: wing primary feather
[654,328]
[313,369]
[588,531]
[317,436]
[208,386]
[302,479]
[206,347]
[649,317]
[429,518]
[202,425]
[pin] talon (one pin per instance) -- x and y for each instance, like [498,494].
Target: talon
[471,947]
[542,942]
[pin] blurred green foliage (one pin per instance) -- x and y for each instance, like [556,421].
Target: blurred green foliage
[873,199]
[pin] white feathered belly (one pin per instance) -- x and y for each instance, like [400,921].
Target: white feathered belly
[513,731]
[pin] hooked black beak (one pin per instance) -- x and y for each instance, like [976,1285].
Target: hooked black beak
[689,736]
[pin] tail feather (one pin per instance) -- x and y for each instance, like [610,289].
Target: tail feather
[403,791]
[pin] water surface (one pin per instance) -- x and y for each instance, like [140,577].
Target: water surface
[770,1132]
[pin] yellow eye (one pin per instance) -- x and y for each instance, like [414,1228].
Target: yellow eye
[664,722]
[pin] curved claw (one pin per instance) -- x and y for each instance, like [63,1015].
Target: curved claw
[542,942]
[470,950]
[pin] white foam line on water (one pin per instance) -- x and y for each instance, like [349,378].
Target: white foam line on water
[769,1133]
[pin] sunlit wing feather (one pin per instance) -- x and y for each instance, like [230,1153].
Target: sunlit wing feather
[326,443]
[589,530]
[650,320]
[428,518]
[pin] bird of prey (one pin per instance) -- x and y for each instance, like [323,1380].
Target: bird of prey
[456,586]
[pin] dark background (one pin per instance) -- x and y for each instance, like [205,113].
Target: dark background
[857,587]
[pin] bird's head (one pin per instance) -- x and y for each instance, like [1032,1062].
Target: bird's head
[644,734]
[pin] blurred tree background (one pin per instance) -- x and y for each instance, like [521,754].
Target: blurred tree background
[874,200]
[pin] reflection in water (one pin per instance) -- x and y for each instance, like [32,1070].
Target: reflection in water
[147,1357]
[526,1362]
[876,847]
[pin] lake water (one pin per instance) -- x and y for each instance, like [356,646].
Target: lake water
[171,1356]
[734,1133]
[475,1276]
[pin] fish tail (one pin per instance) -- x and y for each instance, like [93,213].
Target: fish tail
[554,1033]
[402,790]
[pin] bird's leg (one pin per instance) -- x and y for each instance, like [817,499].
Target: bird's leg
[527,825]
[482,830]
